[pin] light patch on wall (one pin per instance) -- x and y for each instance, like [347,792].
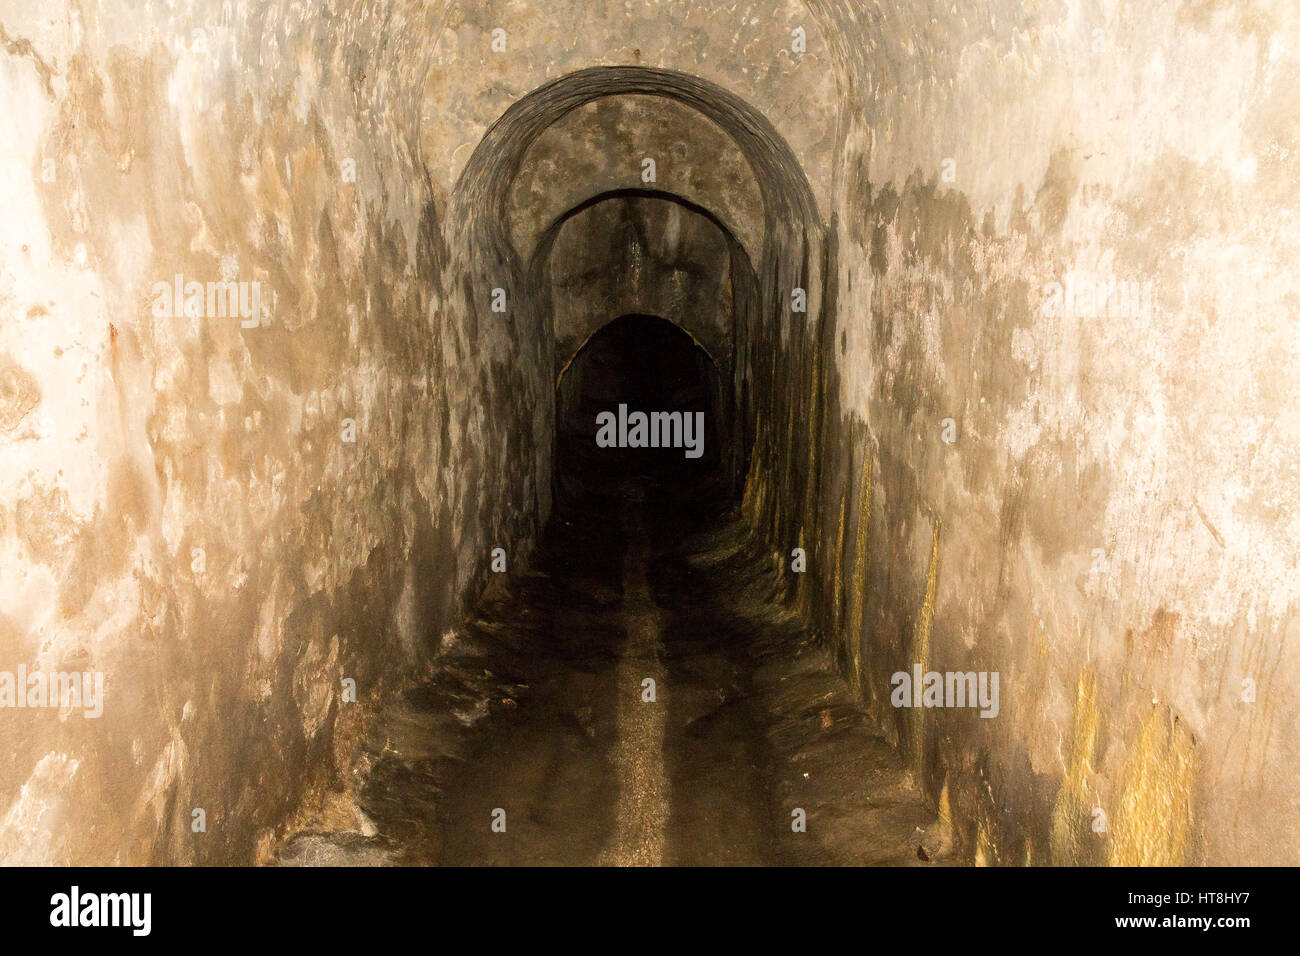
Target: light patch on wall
[224,385]
[23,839]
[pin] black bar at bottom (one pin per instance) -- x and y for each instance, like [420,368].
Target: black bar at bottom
[465,908]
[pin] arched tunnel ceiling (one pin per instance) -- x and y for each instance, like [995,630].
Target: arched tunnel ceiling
[645,255]
[599,147]
[744,48]
[481,200]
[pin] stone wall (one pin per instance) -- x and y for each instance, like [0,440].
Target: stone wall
[225,516]
[1068,228]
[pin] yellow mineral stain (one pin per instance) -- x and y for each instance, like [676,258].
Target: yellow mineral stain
[817,427]
[858,591]
[986,852]
[799,578]
[810,508]
[1072,815]
[749,504]
[1154,814]
[921,645]
[837,589]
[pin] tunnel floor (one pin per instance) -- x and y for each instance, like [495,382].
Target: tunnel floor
[537,710]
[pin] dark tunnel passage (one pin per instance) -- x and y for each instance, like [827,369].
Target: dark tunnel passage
[646,690]
[642,403]
[650,684]
[642,695]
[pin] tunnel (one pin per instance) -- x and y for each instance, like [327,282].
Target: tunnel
[685,433]
[637,388]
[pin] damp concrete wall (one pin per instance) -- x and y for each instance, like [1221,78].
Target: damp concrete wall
[225,516]
[1070,229]
[233,517]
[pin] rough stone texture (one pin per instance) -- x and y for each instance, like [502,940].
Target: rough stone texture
[744,46]
[1116,522]
[1113,529]
[180,508]
[601,148]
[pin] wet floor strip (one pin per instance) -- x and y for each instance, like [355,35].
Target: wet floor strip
[638,758]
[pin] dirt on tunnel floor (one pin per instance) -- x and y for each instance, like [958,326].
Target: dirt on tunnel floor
[537,741]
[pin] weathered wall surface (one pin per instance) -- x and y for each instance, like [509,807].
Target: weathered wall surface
[1114,527]
[184,508]
[1111,528]
[180,506]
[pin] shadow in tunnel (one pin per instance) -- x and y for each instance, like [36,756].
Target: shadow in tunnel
[640,414]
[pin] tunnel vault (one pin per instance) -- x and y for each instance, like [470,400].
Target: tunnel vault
[759,311]
[486,181]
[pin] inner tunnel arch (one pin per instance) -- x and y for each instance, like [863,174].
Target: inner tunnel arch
[685,266]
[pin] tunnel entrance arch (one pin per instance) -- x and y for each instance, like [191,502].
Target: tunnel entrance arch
[482,192]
